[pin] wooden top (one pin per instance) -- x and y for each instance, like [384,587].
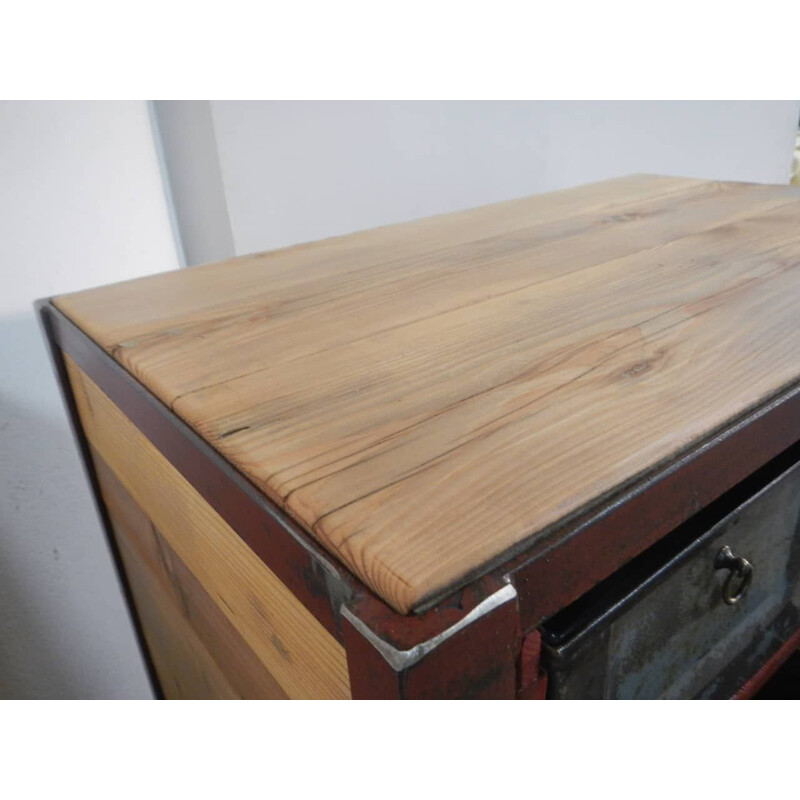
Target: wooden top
[423,397]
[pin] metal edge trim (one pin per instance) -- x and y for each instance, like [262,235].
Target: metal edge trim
[43,309]
[400,660]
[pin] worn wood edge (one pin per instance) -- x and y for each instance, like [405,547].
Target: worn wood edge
[670,494]
[539,547]
[43,309]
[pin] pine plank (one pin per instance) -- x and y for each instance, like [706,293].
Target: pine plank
[423,397]
[185,668]
[193,615]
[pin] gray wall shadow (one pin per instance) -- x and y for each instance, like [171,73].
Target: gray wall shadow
[64,628]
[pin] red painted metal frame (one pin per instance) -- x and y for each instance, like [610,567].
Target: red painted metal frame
[482,658]
[778,658]
[532,678]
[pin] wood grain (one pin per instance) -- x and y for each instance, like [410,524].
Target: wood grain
[165,582]
[425,396]
[294,648]
[186,670]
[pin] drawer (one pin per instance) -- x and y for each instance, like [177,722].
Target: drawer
[661,626]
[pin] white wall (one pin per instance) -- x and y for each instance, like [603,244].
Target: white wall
[295,172]
[81,204]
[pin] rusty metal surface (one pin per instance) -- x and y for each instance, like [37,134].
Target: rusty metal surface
[673,635]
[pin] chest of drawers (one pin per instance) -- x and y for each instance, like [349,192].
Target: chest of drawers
[541,449]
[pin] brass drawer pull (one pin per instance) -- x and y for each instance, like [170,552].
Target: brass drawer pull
[740,577]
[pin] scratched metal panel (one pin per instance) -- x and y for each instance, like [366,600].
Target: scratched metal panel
[675,637]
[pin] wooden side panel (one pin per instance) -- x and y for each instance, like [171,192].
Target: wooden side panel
[159,578]
[186,670]
[235,603]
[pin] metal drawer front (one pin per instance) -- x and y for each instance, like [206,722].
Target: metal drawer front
[674,635]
